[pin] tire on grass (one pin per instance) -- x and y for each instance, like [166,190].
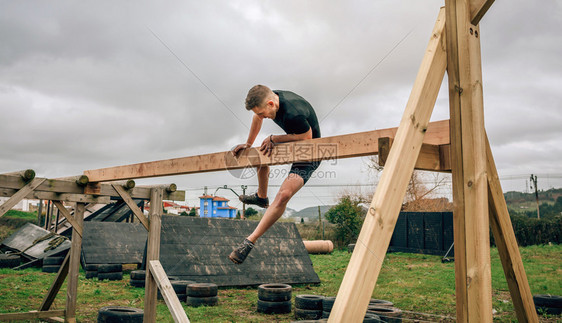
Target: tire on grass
[138,274]
[386,313]
[274,292]
[91,274]
[110,276]
[372,318]
[9,260]
[328,303]
[53,261]
[120,314]
[305,314]
[201,301]
[51,269]
[309,302]
[202,290]
[91,267]
[274,307]
[380,302]
[136,282]
[549,304]
[110,268]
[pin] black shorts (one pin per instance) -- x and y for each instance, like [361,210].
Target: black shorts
[304,170]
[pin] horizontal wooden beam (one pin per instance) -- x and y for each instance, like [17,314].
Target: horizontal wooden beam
[70,191]
[30,315]
[336,147]
[431,158]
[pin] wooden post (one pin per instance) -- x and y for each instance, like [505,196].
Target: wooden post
[167,291]
[39,212]
[74,264]
[366,262]
[468,154]
[153,253]
[507,246]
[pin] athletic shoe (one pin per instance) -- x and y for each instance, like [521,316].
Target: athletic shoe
[239,255]
[255,200]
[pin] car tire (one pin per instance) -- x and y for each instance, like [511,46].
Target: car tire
[274,307]
[120,314]
[274,292]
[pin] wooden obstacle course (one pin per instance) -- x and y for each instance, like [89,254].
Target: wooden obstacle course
[16,187]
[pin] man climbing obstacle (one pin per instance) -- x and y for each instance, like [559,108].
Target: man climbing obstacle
[297,118]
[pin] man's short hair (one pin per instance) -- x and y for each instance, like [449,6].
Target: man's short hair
[257,95]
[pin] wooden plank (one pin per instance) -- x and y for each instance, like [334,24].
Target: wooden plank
[68,217]
[26,174]
[30,315]
[367,258]
[153,253]
[507,246]
[58,188]
[73,198]
[57,284]
[472,254]
[431,157]
[132,205]
[345,146]
[167,291]
[21,194]
[74,264]
[478,9]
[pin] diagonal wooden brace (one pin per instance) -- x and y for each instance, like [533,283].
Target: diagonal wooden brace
[168,293]
[68,217]
[57,284]
[22,193]
[132,205]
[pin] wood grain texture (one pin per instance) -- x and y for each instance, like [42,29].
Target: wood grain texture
[69,217]
[132,205]
[20,194]
[74,265]
[507,246]
[478,9]
[153,253]
[30,315]
[57,284]
[366,262]
[344,146]
[167,291]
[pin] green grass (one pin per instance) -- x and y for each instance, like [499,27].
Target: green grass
[416,283]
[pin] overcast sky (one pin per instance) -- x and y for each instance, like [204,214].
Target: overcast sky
[92,84]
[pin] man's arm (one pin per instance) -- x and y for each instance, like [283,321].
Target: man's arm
[254,131]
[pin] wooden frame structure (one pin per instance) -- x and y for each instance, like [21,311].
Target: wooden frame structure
[458,145]
[80,191]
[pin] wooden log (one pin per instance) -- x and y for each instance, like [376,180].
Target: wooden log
[74,264]
[132,205]
[80,180]
[366,261]
[318,246]
[167,291]
[19,195]
[57,284]
[170,188]
[26,175]
[128,184]
[344,146]
[39,195]
[153,253]
[68,187]
[507,246]
[468,154]
[30,315]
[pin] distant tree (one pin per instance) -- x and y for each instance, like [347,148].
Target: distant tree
[183,213]
[250,212]
[192,212]
[348,216]
[302,220]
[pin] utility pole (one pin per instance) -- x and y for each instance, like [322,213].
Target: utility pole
[320,223]
[534,184]
[243,216]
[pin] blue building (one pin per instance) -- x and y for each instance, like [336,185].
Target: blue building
[215,207]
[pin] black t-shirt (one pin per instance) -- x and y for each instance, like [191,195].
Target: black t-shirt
[295,114]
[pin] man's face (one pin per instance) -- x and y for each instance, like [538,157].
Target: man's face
[267,110]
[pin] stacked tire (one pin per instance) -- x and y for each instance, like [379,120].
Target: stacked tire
[91,271]
[370,316]
[388,314]
[180,288]
[138,278]
[202,294]
[110,272]
[327,304]
[8,260]
[274,298]
[308,307]
[121,314]
[548,304]
[52,264]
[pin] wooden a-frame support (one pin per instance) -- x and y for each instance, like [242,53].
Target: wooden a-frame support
[16,186]
[454,45]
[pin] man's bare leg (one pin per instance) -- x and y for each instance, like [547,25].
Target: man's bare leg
[290,186]
[263,181]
